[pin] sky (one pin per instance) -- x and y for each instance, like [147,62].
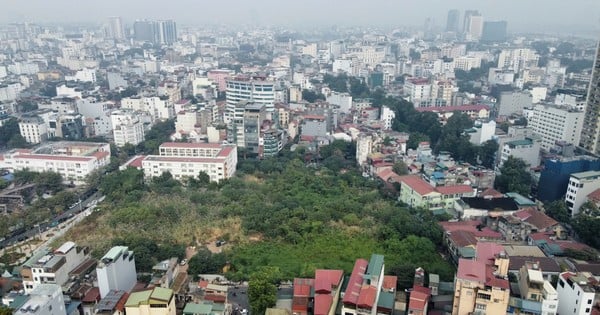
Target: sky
[522,15]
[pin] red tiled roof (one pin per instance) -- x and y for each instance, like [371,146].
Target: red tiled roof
[137,162]
[121,304]
[456,189]
[100,155]
[492,281]
[355,282]
[417,184]
[418,300]
[322,304]
[594,196]
[367,296]
[389,282]
[536,218]
[215,298]
[225,152]
[325,280]
[491,192]
[472,270]
[487,251]
[471,226]
[302,286]
[388,175]
[463,238]
[92,296]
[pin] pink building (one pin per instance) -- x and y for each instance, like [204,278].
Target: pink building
[220,76]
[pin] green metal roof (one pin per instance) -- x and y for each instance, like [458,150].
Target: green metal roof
[520,199]
[197,309]
[115,252]
[137,298]
[519,142]
[375,265]
[386,299]
[161,294]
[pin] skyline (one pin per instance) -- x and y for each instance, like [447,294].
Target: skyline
[578,16]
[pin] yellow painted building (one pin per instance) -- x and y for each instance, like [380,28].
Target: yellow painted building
[157,301]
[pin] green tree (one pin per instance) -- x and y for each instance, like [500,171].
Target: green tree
[5,310]
[514,177]
[558,211]
[262,289]
[311,96]
[400,168]
[487,153]
[415,138]
[587,224]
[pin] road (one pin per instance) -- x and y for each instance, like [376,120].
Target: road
[80,206]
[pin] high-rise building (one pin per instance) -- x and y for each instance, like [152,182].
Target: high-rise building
[590,134]
[115,27]
[255,89]
[494,31]
[453,21]
[158,32]
[555,123]
[467,19]
[475,27]
[167,32]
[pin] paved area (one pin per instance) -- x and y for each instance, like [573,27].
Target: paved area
[238,297]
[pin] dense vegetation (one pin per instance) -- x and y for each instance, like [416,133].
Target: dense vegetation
[278,212]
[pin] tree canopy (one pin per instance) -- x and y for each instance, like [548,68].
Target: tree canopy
[514,177]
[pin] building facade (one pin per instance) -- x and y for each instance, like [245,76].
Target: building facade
[580,185]
[553,123]
[590,135]
[116,270]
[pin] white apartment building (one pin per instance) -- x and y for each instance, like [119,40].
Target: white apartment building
[46,299]
[343,100]
[33,129]
[183,160]
[84,75]
[481,132]
[10,91]
[527,149]
[575,293]
[71,159]
[66,91]
[466,63]
[580,185]
[187,121]
[127,127]
[54,267]
[364,147]
[553,123]
[255,90]
[417,90]
[157,108]
[116,270]
[342,65]
[387,117]
[518,59]
[368,55]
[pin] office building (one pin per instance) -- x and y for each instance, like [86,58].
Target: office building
[580,186]
[527,149]
[590,135]
[494,31]
[162,32]
[253,89]
[513,103]
[144,31]
[554,177]
[183,160]
[167,31]
[556,124]
[473,25]
[116,271]
[453,21]
[115,28]
[576,293]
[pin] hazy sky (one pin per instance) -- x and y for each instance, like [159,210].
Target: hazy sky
[581,15]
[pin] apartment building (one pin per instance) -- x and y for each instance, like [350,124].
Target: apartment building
[116,271]
[127,127]
[183,160]
[45,299]
[253,89]
[580,186]
[71,159]
[576,293]
[33,129]
[527,149]
[554,123]
[538,296]
[47,267]
[481,285]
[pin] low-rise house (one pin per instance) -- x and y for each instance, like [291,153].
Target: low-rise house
[157,301]
[416,192]
[113,303]
[519,225]
[461,237]
[478,207]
